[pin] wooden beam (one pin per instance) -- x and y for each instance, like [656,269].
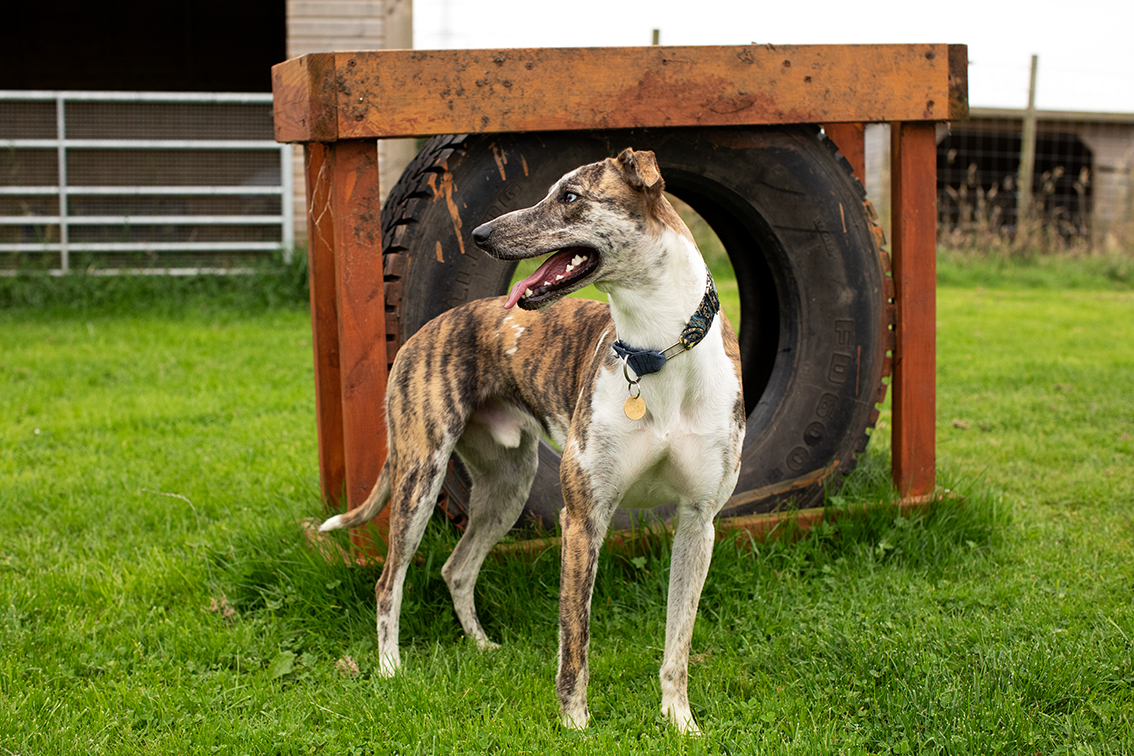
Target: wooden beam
[361,320]
[324,323]
[304,100]
[914,230]
[390,93]
[758,528]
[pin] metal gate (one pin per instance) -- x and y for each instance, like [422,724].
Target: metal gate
[141,182]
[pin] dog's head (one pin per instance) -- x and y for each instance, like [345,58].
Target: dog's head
[598,220]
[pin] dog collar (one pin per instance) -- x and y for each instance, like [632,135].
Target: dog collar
[646,361]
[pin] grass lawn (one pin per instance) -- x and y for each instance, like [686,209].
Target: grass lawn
[156,598]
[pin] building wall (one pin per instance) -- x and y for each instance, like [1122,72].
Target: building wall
[322,25]
[330,25]
[1113,211]
[877,179]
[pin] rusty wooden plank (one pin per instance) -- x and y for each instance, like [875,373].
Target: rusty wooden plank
[850,138]
[388,93]
[304,99]
[757,528]
[361,319]
[324,323]
[914,230]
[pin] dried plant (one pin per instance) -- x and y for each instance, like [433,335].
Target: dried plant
[984,221]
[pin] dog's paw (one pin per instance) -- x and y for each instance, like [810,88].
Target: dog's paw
[388,665]
[682,719]
[333,523]
[484,644]
[575,720]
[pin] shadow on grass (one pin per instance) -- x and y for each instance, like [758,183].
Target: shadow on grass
[272,575]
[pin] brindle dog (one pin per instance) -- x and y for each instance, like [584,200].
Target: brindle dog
[644,397]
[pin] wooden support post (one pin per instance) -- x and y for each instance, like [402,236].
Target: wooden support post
[324,321]
[362,321]
[348,321]
[850,138]
[914,224]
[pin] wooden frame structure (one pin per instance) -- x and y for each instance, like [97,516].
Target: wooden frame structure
[338,104]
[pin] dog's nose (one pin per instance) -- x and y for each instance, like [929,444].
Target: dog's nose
[481,233]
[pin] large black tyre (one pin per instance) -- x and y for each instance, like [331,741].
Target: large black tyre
[816,307]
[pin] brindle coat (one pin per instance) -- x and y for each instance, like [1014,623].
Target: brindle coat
[488,379]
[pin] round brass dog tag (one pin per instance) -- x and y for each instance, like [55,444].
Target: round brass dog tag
[635,407]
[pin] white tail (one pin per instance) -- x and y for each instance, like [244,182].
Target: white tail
[375,502]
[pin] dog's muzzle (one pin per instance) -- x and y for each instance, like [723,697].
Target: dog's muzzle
[481,234]
[566,270]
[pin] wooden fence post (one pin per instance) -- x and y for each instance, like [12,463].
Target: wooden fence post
[914,230]
[362,321]
[324,322]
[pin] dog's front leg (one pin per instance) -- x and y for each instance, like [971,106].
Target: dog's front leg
[584,524]
[689,564]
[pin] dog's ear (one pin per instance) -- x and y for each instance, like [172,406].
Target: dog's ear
[640,169]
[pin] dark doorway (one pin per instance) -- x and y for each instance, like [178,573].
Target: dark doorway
[140,45]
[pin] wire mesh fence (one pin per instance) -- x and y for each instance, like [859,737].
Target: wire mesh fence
[131,180]
[1079,199]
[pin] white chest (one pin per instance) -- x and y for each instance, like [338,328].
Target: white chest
[686,445]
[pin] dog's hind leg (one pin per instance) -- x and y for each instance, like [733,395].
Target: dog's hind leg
[689,564]
[501,480]
[415,490]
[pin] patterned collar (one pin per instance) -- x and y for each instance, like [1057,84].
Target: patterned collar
[646,361]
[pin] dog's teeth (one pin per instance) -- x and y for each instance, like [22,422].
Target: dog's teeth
[559,278]
[577,261]
[568,269]
[528,292]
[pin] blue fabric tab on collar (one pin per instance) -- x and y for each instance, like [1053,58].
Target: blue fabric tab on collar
[641,361]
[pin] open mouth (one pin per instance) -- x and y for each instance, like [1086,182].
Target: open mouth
[560,274]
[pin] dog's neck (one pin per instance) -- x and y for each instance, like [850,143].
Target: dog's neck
[652,312]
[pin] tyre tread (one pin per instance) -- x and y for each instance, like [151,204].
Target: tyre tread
[889,314]
[413,196]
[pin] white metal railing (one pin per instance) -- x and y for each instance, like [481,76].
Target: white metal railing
[64,220]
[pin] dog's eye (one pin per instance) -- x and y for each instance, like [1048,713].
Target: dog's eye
[570,197]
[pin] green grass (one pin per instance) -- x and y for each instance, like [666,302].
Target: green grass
[276,285]
[158,446]
[1112,272]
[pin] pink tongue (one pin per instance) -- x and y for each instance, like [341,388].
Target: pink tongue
[544,272]
[515,294]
